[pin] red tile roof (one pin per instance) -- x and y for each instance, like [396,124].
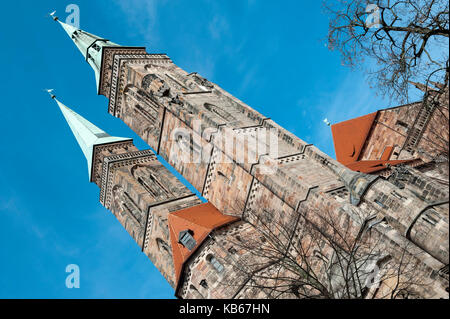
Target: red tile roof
[200,220]
[373,166]
[349,137]
[387,153]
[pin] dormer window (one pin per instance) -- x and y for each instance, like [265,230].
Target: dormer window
[186,239]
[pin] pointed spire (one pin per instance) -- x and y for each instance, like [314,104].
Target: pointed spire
[87,134]
[90,45]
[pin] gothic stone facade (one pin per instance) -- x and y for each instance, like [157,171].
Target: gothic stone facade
[180,114]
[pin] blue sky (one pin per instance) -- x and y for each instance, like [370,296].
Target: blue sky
[268,54]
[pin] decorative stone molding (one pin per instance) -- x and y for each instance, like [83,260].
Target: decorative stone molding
[254,189]
[107,61]
[100,148]
[211,170]
[111,163]
[147,231]
[118,77]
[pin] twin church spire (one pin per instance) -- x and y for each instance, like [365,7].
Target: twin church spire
[87,134]
[187,240]
[90,45]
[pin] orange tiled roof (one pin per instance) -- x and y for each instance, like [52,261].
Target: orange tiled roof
[387,153]
[373,166]
[349,137]
[201,220]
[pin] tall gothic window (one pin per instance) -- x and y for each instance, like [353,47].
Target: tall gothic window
[186,143]
[162,245]
[132,207]
[146,177]
[204,283]
[125,203]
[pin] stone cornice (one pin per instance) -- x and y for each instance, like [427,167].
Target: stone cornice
[108,54]
[111,163]
[118,78]
[96,159]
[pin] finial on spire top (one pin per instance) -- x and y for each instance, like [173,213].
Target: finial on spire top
[90,45]
[53,15]
[50,91]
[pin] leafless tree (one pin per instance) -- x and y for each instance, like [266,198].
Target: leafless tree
[401,40]
[436,134]
[296,258]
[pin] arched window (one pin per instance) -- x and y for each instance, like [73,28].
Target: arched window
[124,203]
[146,177]
[215,263]
[401,123]
[223,175]
[162,245]
[187,144]
[96,47]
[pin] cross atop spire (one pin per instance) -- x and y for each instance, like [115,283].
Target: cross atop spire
[87,134]
[90,45]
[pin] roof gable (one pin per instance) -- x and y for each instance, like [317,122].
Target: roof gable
[349,137]
[200,220]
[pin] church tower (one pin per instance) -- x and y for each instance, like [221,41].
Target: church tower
[252,169]
[164,218]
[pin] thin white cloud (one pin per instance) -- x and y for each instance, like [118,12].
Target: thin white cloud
[7,204]
[142,15]
[352,98]
[14,209]
[218,27]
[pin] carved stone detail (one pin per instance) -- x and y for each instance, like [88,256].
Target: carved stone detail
[119,78]
[106,70]
[111,163]
[100,148]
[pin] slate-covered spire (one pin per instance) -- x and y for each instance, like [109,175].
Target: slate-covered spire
[87,134]
[90,45]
